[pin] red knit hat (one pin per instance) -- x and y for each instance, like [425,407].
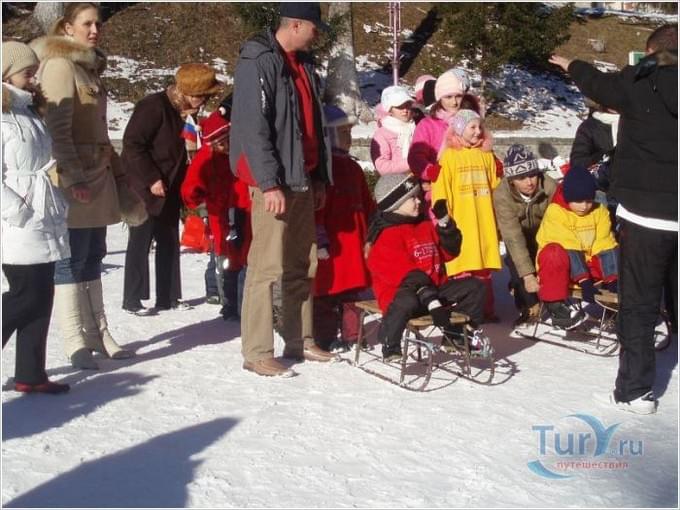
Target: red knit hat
[214,126]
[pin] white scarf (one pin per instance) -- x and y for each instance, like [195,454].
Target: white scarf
[404,131]
[609,118]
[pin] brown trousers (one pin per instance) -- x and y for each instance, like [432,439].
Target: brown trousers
[282,247]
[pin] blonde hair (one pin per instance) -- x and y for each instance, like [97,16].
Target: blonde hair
[71,12]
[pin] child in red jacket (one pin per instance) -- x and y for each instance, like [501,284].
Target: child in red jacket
[209,180]
[341,276]
[406,262]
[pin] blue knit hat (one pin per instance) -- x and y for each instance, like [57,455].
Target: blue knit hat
[579,185]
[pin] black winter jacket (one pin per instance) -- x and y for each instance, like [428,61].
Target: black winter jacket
[592,141]
[645,166]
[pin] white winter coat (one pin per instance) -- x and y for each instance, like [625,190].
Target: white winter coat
[34,229]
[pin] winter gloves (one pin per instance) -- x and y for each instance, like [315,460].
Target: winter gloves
[441,212]
[428,296]
[449,234]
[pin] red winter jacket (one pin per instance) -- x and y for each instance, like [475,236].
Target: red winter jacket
[400,249]
[344,219]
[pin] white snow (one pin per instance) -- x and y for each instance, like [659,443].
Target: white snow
[182,425]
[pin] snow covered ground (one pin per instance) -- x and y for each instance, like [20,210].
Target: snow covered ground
[183,425]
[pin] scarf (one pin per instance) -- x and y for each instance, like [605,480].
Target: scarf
[404,131]
[444,115]
[611,119]
[382,220]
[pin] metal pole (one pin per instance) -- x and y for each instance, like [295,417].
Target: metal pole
[395,23]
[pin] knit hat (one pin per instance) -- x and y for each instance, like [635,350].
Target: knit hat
[462,119]
[335,118]
[394,96]
[16,57]
[520,162]
[420,86]
[197,80]
[392,190]
[453,81]
[579,185]
[214,126]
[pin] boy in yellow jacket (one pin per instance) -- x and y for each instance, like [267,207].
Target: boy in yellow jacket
[576,245]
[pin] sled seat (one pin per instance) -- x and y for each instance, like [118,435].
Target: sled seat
[413,335]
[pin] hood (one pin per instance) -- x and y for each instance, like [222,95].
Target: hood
[14,96]
[62,47]
[661,69]
[558,198]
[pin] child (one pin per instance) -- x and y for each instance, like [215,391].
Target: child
[450,90]
[341,276]
[34,228]
[424,90]
[391,141]
[576,244]
[406,265]
[467,178]
[520,202]
[209,179]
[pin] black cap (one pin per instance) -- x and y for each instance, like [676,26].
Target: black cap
[310,11]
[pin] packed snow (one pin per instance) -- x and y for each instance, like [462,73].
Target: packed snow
[183,425]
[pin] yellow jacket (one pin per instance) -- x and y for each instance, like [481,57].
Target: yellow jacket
[466,181]
[590,234]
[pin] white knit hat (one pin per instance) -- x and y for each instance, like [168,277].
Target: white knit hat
[16,57]
[394,96]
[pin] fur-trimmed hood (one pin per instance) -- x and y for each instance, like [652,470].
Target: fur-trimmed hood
[57,46]
[38,100]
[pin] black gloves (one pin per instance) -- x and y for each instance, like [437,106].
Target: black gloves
[588,290]
[441,212]
[441,317]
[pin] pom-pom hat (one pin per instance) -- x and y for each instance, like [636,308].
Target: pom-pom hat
[214,127]
[392,190]
[519,161]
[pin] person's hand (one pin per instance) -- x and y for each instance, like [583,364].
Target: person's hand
[322,253]
[158,188]
[441,212]
[274,201]
[561,62]
[319,196]
[81,193]
[531,283]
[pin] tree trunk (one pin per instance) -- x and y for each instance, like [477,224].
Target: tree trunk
[46,13]
[342,83]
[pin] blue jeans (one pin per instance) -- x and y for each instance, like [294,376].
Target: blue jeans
[88,249]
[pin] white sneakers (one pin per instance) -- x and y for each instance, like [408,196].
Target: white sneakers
[645,404]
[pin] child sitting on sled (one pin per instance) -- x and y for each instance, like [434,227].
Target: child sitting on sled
[406,261]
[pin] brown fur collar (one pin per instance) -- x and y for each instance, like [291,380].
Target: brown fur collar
[57,46]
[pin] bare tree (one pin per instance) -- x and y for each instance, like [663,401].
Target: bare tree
[46,13]
[342,83]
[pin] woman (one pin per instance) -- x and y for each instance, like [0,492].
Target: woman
[34,232]
[156,158]
[87,169]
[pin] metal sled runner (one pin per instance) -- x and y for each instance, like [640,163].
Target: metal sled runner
[597,335]
[421,353]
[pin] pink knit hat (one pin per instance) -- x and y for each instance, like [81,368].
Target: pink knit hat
[420,84]
[453,81]
[462,119]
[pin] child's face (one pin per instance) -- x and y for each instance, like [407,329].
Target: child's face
[581,208]
[526,185]
[472,133]
[344,140]
[451,103]
[24,79]
[221,145]
[410,207]
[402,112]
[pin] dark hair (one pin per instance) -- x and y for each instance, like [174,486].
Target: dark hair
[71,12]
[469,102]
[663,38]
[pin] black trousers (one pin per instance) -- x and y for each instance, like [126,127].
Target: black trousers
[468,294]
[649,262]
[136,282]
[26,309]
[523,299]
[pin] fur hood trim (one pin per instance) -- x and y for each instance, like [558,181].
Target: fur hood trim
[57,46]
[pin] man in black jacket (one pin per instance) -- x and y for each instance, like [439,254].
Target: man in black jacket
[645,184]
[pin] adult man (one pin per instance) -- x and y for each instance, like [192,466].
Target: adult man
[279,147]
[645,183]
